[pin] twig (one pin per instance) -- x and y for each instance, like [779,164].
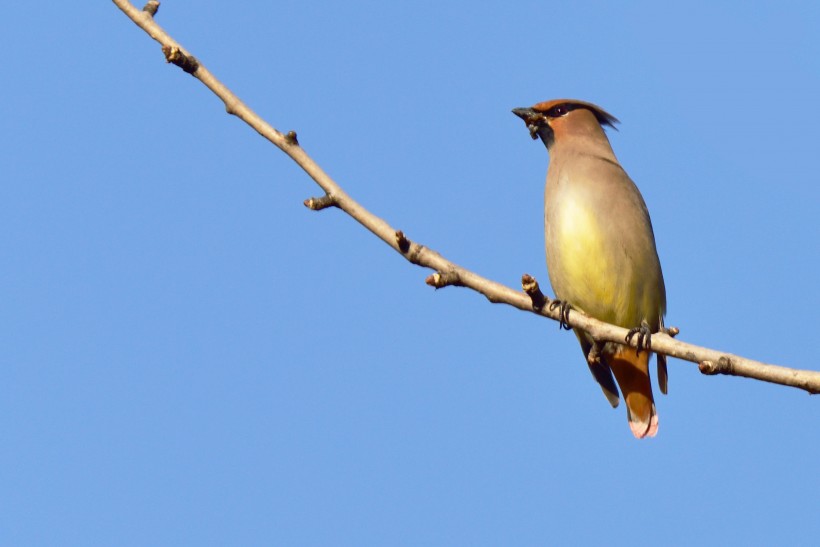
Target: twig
[447,273]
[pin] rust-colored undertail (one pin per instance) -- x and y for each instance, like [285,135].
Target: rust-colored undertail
[631,370]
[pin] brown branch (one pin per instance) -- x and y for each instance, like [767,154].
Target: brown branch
[317,204]
[530,286]
[447,273]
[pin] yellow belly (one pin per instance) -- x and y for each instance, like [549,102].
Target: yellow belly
[589,270]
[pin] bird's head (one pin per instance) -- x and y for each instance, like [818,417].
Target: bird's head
[559,118]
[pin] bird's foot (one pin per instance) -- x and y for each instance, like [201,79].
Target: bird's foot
[563,313]
[644,335]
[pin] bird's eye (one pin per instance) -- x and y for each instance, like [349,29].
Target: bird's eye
[558,111]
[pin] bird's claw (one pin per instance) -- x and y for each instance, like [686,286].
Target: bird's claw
[563,313]
[644,335]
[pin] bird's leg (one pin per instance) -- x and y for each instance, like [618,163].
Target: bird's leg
[644,336]
[563,315]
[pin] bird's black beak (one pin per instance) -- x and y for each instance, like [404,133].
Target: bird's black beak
[523,113]
[534,120]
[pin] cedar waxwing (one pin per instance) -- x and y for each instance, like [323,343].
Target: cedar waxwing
[601,254]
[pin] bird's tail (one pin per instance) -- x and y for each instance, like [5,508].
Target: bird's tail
[631,370]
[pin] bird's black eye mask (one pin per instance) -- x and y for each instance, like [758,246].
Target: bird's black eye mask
[561,110]
[540,120]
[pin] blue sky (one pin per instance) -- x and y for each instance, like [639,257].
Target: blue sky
[191,357]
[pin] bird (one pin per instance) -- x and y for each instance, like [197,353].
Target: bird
[601,254]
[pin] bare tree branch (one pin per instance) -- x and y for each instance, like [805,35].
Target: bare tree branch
[447,273]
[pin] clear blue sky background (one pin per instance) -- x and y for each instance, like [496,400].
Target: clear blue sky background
[191,357]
